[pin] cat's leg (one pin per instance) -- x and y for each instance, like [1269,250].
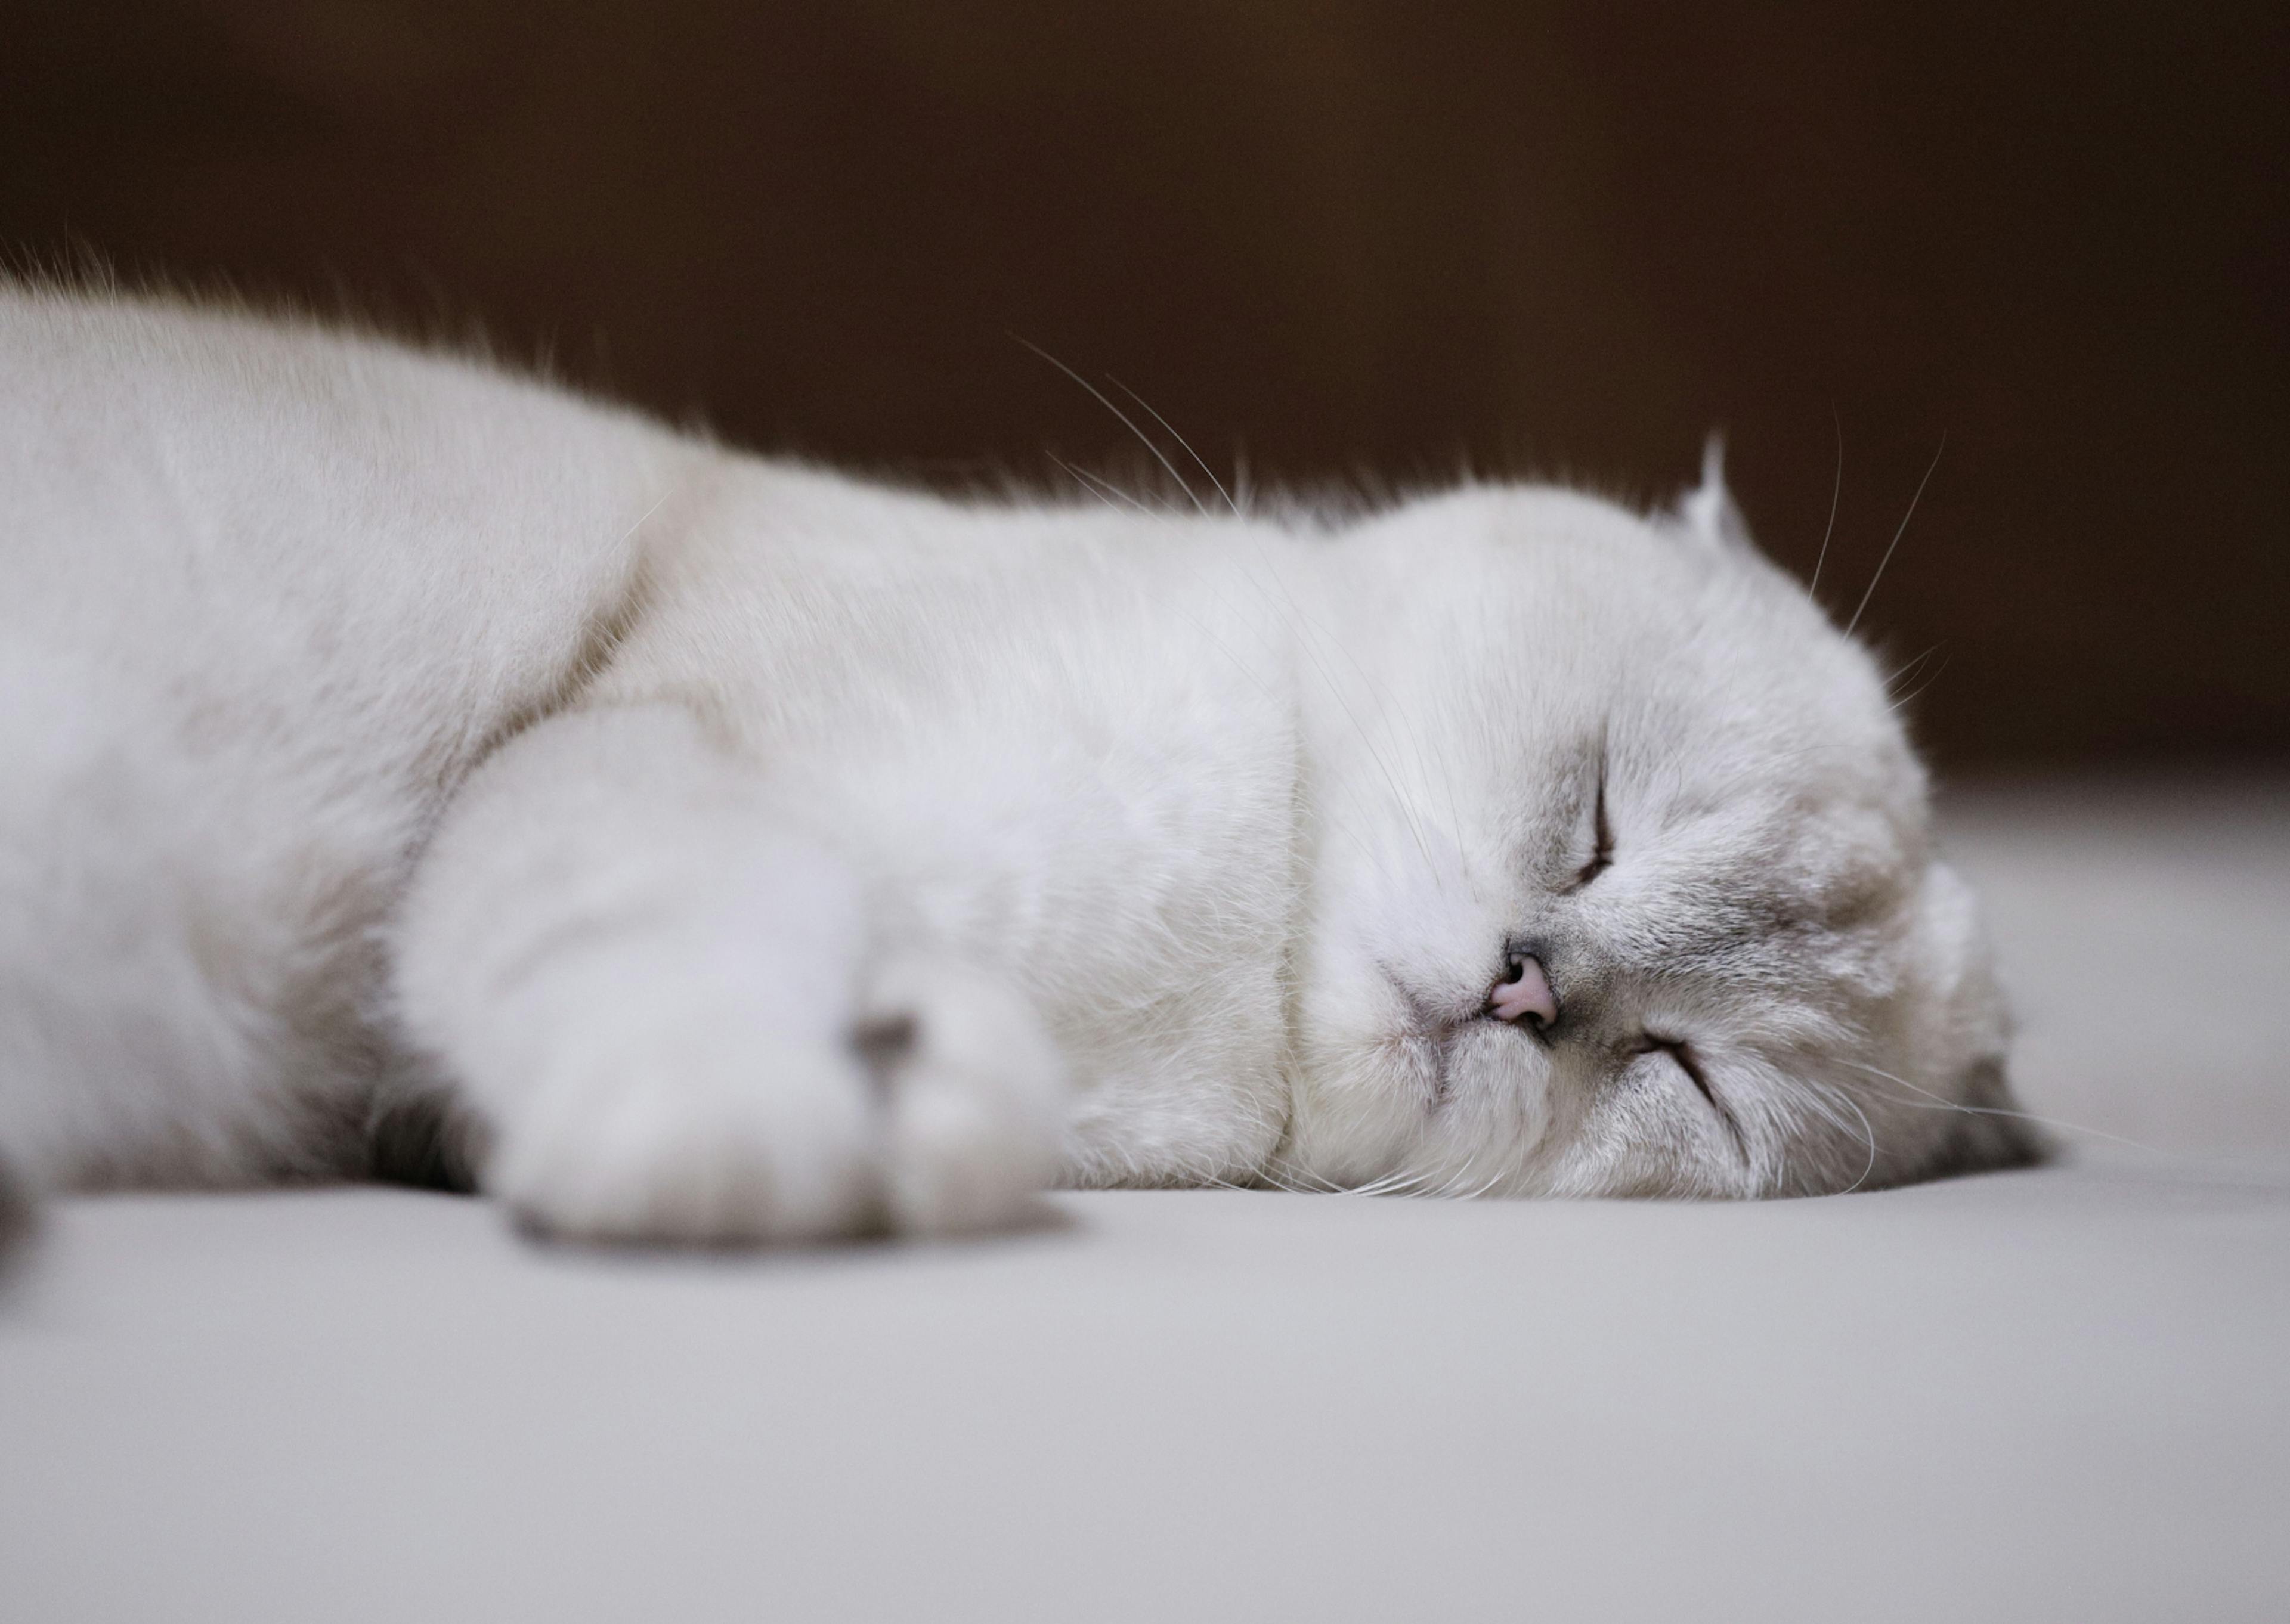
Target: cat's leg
[668,1015]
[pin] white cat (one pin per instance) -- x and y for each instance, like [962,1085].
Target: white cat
[402,761]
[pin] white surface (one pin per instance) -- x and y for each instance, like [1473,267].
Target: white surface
[2144,931]
[2048,1396]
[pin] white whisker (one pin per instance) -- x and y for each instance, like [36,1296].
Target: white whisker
[1910,697]
[1941,1103]
[1126,422]
[1835,490]
[1104,490]
[1180,439]
[1897,534]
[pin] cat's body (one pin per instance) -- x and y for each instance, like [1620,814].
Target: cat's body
[713,848]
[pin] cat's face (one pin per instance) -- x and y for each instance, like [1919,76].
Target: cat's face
[1621,882]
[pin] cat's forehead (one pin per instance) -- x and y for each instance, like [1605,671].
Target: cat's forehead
[1582,640]
[1566,561]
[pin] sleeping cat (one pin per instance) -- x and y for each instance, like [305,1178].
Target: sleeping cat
[411,767]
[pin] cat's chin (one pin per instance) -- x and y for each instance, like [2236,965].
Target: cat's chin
[1458,1110]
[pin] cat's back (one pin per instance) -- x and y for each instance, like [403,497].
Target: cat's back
[270,589]
[241,502]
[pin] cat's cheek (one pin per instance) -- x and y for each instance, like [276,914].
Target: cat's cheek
[1363,1086]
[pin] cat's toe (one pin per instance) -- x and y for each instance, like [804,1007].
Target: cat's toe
[974,1093]
[782,1149]
[943,1117]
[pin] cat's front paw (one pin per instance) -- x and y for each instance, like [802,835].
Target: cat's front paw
[681,1145]
[974,1093]
[941,1112]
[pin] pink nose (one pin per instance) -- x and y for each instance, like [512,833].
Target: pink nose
[1524,993]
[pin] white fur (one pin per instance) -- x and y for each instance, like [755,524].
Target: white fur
[729,849]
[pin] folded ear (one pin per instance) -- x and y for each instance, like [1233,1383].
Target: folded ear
[1707,513]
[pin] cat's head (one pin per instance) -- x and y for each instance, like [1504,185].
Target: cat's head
[1623,881]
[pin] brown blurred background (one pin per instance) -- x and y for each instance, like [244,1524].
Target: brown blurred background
[1332,238]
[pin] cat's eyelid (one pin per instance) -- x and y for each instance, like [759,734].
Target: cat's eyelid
[1682,1052]
[1602,837]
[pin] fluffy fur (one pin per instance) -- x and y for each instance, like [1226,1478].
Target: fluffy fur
[412,764]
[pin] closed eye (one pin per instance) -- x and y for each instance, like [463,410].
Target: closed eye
[1682,1053]
[1602,840]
